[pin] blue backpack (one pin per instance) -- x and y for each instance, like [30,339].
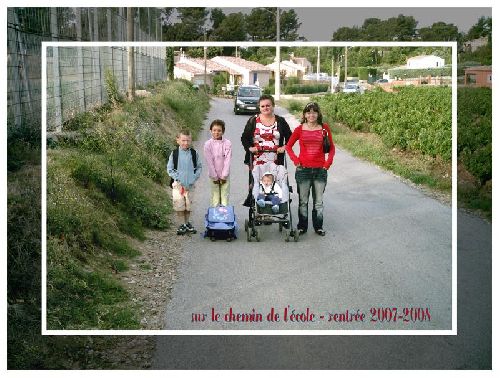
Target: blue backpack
[220,223]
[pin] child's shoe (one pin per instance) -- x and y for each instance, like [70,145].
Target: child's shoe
[190,228]
[275,209]
[261,203]
[182,229]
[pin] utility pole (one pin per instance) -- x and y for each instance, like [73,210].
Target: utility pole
[317,67]
[331,81]
[205,62]
[345,67]
[131,61]
[277,80]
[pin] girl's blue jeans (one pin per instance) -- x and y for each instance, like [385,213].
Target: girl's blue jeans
[310,180]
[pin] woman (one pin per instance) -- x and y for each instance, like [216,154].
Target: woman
[311,166]
[264,137]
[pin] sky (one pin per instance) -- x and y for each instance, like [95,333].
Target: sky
[318,24]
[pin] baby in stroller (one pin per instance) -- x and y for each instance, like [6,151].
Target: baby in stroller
[268,175]
[270,192]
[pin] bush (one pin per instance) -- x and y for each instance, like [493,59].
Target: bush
[305,88]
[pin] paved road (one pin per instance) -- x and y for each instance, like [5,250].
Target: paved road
[387,244]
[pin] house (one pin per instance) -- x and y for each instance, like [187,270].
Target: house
[302,62]
[192,73]
[424,61]
[479,76]
[244,72]
[289,68]
[473,45]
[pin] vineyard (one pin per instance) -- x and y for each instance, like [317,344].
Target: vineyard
[410,118]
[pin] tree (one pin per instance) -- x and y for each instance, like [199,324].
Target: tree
[169,62]
[262,55]
[191,27]
[261,24]
[217,15]
[289,25]
[482,28]
[373,30]
[347,34]
[400,28]
[232,28]
[439,31]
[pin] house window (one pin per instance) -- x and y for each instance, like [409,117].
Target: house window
[489,78]
[471,78]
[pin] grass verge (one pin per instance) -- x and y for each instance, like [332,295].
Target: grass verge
[106,186]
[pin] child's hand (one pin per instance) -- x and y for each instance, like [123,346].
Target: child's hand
[216,182]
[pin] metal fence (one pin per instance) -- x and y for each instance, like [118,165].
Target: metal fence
[75,75]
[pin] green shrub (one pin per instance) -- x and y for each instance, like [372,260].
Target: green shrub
[305,88]
[112,89]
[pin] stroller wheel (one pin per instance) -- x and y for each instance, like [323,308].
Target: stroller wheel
[287,236]
[249,235]
[296,236]
[212,238]
[246,224]
[280,227]
[256,234]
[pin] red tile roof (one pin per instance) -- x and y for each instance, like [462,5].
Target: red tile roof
[479,68]
[213,66]
[249,65]
[189,68]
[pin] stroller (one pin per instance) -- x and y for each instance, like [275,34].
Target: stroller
[264,215]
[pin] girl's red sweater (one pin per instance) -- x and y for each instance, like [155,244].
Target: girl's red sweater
[311,148]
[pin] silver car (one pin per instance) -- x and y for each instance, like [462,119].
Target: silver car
[247,99]
[352,88]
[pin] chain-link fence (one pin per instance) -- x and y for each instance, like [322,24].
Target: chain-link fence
[75,75]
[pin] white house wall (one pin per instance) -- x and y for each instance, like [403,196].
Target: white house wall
[430,62]
[181,74]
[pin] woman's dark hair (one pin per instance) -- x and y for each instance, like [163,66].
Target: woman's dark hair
[266,97]
[315,107]
[220,123]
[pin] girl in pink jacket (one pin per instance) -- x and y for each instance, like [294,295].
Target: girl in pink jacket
[217,152]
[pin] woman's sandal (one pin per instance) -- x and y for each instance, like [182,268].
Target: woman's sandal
[320,232]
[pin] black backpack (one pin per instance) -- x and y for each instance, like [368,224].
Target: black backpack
[175,156]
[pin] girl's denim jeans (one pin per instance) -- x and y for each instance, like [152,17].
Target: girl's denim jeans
[307,179]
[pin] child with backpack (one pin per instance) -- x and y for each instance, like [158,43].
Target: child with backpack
[184,168]
[217,151]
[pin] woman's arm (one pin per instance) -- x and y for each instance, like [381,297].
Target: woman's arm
[247,135]
[331,153]
[289,146]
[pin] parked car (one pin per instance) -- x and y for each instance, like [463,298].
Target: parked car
[247,99]
[352,88]
[381,81]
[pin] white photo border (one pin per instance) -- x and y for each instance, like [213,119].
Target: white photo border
[45,331]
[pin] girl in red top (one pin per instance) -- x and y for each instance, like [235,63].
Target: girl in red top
[311,165]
